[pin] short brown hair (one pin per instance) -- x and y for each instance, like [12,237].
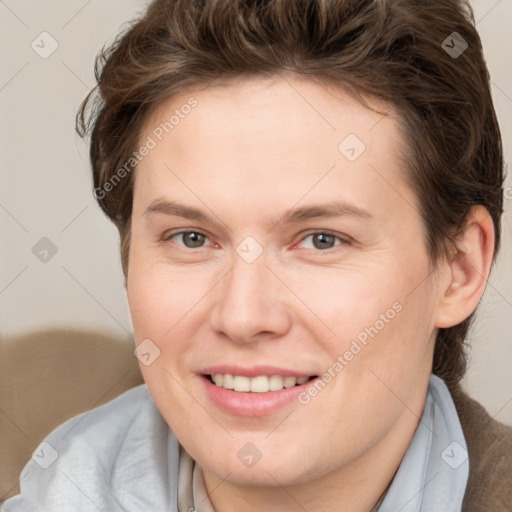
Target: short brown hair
[397,51]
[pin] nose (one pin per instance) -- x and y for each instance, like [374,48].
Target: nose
[250,303]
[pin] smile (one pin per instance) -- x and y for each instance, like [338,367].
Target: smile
[260,392]
[259,384]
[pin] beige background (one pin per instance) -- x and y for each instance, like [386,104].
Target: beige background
[45,187]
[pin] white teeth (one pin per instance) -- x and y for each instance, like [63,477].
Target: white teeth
[228,382]
[260,384]
[276,383]
[289,382]
[241,383]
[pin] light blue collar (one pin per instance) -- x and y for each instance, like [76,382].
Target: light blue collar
[434,471]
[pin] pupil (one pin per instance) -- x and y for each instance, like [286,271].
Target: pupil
[193,239]
[324,240]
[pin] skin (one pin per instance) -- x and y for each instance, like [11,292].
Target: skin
[250,151]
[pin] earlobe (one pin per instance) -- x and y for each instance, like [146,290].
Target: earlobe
[468,269]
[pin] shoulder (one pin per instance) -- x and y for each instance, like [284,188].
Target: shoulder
[489,445]
[105,427]
[99,459]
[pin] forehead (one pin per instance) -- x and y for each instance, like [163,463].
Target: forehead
[261,105]
[272,138]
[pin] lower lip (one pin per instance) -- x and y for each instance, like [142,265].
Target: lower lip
[252,404]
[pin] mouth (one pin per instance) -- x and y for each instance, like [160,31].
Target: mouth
[258,384]
[254,391]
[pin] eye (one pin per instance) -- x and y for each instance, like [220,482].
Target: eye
[189,239]
[322,240]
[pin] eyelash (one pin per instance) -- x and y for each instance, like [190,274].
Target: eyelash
[343,241]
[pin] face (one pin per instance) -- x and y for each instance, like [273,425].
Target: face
[276,243]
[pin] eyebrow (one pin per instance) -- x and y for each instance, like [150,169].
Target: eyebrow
[291,216]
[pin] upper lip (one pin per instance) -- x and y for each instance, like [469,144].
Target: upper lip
[253,371]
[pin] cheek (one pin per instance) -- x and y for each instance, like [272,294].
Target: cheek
[169,308]
[347,302]
[156,300]
[379,318]
[146,304]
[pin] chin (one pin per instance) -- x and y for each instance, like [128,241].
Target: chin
[236,467]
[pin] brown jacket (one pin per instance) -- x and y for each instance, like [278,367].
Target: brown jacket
[489,443]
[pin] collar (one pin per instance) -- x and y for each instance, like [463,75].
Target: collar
[434,471]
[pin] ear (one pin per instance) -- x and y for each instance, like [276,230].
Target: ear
[466,271]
